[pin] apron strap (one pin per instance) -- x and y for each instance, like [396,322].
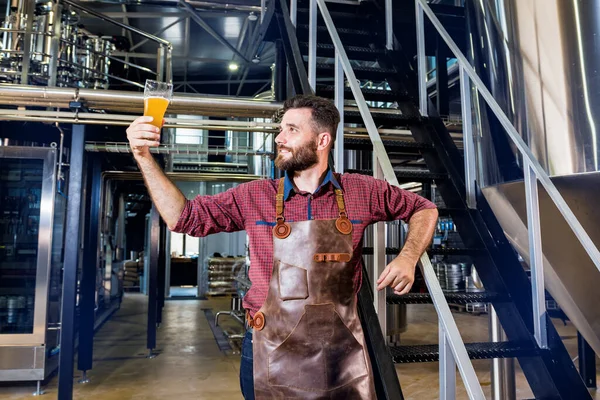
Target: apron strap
[343,224]
[281,229]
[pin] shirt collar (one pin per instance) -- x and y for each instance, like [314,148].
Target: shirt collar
[288,187]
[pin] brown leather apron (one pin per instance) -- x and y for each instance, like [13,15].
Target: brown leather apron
[308,342]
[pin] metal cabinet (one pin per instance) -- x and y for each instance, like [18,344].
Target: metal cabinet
[29,285]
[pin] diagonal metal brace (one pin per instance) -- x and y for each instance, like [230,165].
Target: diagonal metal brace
[200,21]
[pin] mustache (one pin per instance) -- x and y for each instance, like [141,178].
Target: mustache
[279,148]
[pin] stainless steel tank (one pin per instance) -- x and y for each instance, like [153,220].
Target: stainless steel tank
[541,61]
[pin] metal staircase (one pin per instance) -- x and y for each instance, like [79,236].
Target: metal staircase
[361,28]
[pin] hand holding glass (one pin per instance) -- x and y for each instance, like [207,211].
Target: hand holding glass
[157,96]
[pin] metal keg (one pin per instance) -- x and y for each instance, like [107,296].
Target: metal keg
[453,277]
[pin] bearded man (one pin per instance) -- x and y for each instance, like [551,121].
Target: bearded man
[305,230]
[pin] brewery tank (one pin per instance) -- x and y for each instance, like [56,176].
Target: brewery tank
[540,61]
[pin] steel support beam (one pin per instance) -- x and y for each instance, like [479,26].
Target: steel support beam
[280,70]
[200,21]
[162,262]
[587,362]
[158,32]
[71,263]
[87,297]
[153,280]
[292,50]
[441,82]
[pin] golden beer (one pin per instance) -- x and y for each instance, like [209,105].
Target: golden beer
[155,107]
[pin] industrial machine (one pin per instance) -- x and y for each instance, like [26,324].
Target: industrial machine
[41,37]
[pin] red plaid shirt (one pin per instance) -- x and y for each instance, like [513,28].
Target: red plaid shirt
[251,207]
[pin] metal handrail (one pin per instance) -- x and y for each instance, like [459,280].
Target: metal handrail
[533,172]
[450,338]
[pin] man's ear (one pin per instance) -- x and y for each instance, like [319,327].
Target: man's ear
[324,141]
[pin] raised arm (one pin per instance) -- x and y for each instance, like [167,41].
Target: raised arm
[168,199]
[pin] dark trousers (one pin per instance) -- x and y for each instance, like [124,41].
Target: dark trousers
[246,375]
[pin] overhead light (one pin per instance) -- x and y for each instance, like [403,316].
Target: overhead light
[233,67]
[252,16]
[256,59]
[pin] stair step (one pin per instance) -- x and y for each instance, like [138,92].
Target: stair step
[453,298]
[370,94]
[353,52]
[361,72]
[303,12]
[390,145]
[382,119]
[446,212]
[408,175]
[448,251]
[476,351]
[322,30]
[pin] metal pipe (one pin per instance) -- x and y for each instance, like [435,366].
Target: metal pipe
[503,369]
[60,152]
[183,176]
[389,27]
[312,44]
[113,100]
[192,149]
[115,22]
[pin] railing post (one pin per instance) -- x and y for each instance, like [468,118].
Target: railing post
[312,45]
[379,260]
[160,63]
[169,64]
[422,68]
[503,369]
[389,26]
[535,256]
[339,103]
[294,11]
[447,367]
[468,145]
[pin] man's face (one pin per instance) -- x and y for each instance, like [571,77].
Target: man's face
[297,141]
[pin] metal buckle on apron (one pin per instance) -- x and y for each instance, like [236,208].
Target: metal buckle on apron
[258,322]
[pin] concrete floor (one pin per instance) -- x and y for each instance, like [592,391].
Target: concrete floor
[190,365]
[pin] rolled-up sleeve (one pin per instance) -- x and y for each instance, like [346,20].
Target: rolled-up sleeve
[389,203]
[205,215]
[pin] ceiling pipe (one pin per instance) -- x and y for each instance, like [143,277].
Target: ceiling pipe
[127,101]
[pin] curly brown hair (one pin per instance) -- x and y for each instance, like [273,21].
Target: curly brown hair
[325,115]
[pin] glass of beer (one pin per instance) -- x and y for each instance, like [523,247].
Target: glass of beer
[157,96]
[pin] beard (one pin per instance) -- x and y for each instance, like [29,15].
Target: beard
[302,157]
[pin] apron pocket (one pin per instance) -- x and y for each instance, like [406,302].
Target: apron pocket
[320,354]
[293,282]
